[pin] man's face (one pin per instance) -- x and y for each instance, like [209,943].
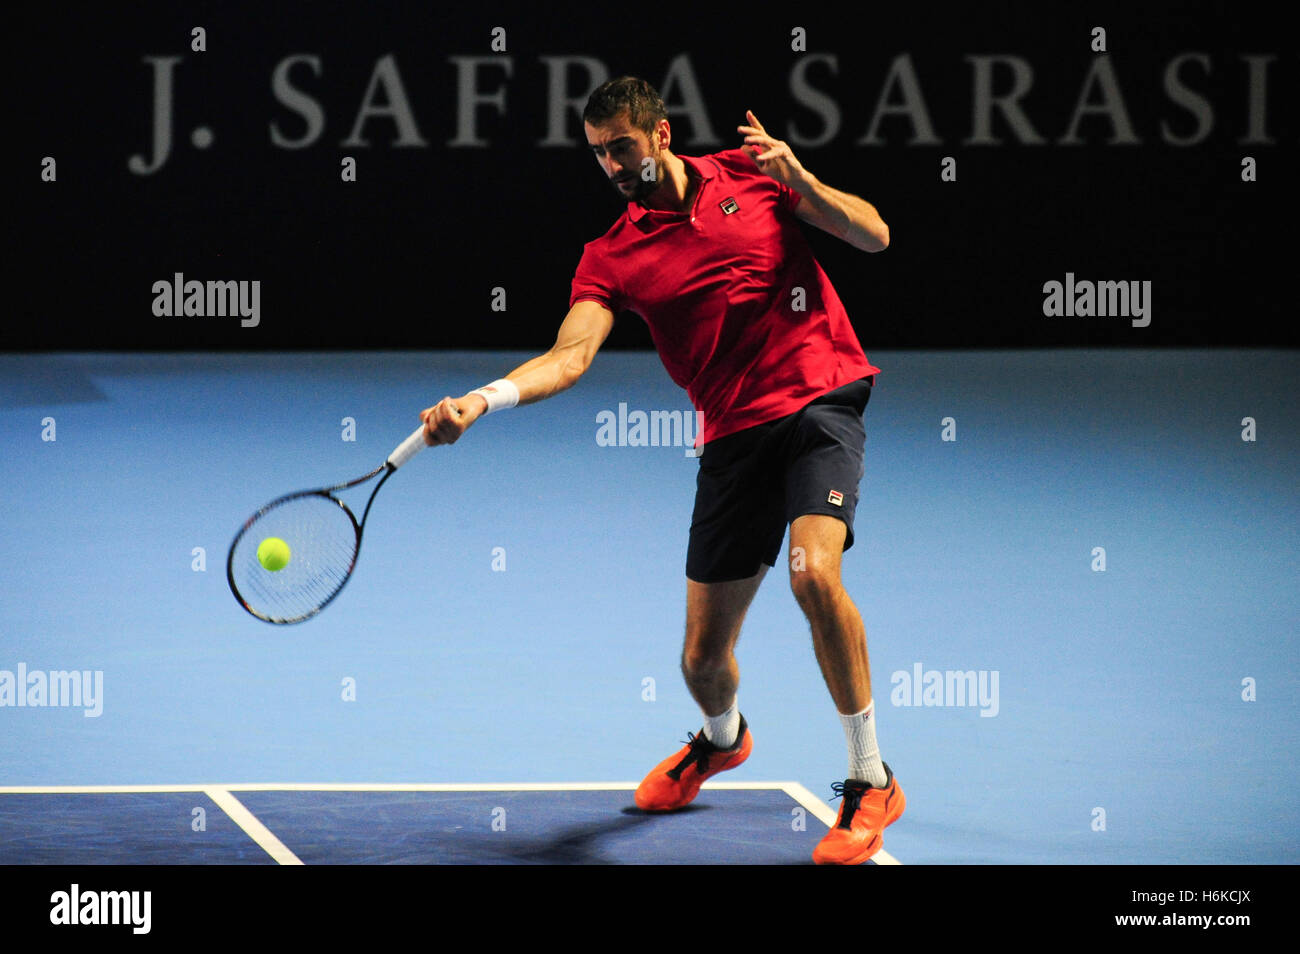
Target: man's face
[620,148]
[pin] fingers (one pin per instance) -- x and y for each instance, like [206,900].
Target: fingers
[757,138]
[754,124]
[774,148]
[443,423]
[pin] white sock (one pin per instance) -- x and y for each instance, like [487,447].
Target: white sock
[723,730]
[864,753]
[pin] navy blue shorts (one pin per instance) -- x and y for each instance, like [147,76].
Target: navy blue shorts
[752,483]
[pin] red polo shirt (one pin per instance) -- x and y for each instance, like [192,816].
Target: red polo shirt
[716,288]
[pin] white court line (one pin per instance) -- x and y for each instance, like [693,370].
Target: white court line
[372,787]
[255,830]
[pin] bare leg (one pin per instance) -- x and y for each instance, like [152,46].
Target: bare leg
[839,638]
[714,612]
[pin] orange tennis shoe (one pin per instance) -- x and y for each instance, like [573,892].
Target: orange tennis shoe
[676,780]
[859,830]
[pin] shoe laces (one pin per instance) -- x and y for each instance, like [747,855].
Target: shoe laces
[852,795]
[701,749]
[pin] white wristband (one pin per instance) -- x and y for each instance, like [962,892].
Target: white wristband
[500,394]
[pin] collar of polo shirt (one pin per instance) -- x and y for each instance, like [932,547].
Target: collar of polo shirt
[703,170]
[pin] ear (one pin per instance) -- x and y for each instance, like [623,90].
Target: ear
[664,134]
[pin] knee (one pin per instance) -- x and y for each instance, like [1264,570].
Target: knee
[700,658]
[815,587]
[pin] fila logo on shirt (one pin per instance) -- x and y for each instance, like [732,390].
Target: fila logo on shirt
[836,498]
[728,205]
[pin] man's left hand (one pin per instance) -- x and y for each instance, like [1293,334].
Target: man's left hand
[772,156]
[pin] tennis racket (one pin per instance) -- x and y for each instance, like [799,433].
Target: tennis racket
[324,540]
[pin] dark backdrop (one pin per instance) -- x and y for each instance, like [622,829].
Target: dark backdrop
[408,256]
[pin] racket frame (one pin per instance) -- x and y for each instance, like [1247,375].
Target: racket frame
[328,493]
[403,452]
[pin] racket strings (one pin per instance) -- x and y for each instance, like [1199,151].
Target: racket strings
[323,542]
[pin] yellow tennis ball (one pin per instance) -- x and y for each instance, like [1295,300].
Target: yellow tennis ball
[273,553]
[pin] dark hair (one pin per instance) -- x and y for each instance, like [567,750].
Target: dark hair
[639,98]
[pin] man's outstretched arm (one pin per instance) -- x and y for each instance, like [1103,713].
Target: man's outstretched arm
[845,216]
[581,334]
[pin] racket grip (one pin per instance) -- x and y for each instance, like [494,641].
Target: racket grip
[408,448]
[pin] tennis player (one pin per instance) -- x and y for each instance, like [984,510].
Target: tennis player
[710,253]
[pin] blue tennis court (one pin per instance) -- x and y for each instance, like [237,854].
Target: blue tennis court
[1082,615]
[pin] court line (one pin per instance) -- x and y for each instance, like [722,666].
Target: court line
[252,827]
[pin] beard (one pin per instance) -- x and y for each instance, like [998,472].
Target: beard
[643,188]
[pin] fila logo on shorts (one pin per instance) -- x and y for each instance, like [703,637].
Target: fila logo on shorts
[836,498]
[728,205]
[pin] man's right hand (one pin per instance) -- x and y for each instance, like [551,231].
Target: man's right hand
[447,420]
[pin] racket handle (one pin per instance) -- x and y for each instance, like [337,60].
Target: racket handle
[408,448]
